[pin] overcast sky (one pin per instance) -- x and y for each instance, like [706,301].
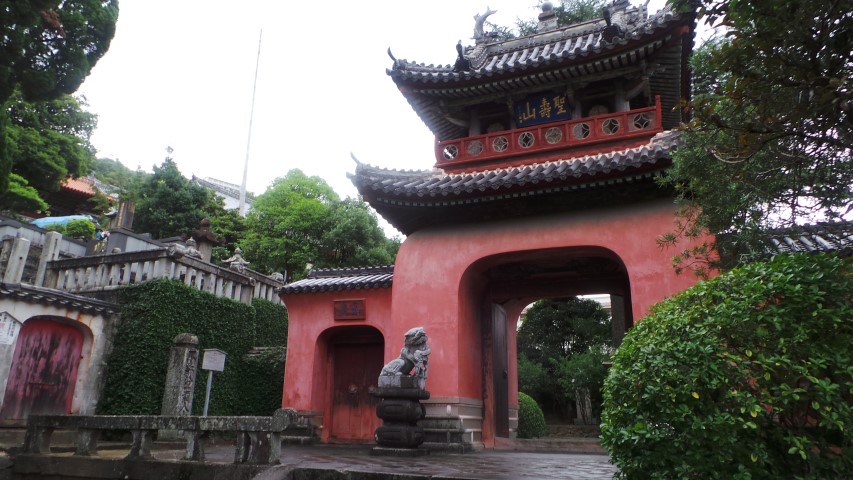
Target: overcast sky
[180,74]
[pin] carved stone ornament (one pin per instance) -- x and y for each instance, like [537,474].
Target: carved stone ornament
[413,360]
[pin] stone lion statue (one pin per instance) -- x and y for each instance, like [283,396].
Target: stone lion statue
[413,359]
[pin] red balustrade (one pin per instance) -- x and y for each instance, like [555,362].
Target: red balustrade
[600,129]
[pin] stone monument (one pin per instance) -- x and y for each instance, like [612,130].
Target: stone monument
[402,385]
[180,380]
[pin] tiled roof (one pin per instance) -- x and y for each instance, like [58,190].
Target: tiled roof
[587,170]
[79,185]
[655,46]
[339,279]
[58,298]
[571,43]
[820,238]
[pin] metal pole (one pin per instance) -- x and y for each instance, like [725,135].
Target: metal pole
[242,207]
[207,396]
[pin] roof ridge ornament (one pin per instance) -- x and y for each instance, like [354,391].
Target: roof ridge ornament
[612,31]
[462,64]
[547,19]
[480,23]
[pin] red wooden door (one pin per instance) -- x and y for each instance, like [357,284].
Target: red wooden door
[44,370]
[356,368]
[500,370]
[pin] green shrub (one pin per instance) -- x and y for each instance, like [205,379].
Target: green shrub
[154,312]
[531,421]
[745,376]
[82,229]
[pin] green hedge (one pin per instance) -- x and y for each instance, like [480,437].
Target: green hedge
[531,421]
[746,376]
[154,312]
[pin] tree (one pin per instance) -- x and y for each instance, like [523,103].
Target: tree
[552,333]
[554,329]
[745,376]
[355,238]
[300,220]
[47,49]
[770,140]
[581,378]
[568,12]
[286,224]
[22,197]
[230,226]
[48,142]
[127,183]
[170,205]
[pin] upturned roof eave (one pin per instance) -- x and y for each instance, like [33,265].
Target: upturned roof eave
[412,75]
[435,186]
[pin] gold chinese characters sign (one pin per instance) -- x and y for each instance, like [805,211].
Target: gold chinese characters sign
[542,108]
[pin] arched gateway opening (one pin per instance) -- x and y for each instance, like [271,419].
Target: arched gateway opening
[503,285]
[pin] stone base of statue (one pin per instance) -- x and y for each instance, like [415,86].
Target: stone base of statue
[400,409]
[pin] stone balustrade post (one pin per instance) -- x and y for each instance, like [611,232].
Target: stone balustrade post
[49,252]
[17,260]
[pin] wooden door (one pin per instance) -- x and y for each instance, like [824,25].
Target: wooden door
[356,367]
[44,370]
[500,372]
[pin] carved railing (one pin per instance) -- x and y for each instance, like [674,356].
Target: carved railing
[584,132]
[100,273]
[258,438]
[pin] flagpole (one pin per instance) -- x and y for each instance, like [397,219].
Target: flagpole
[249,140]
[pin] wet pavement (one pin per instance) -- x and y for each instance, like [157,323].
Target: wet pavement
[487,464]
[356,462]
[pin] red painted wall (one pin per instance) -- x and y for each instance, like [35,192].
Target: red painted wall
[311,324]
[435,286]
[432,285]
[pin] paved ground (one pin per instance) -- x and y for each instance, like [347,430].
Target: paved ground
[490,464]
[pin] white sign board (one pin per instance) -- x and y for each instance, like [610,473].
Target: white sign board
[9,328]
[214,360]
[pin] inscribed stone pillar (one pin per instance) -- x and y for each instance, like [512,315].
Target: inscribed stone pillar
[17,260]
[180,378]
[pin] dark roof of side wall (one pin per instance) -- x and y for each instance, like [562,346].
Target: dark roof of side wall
[341,279]
[58,298]
[825,237]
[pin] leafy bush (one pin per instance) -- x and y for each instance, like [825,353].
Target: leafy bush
[154,312]
[531,421]
[533,378]
[746,376]
[83,229]
[80,228]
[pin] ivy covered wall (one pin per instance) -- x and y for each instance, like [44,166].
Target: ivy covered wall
[154,312]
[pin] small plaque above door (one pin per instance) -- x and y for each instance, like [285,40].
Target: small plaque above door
[349,309]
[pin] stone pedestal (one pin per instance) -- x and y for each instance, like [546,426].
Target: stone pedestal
[400,409]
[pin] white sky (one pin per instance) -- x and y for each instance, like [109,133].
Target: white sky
[180,73]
